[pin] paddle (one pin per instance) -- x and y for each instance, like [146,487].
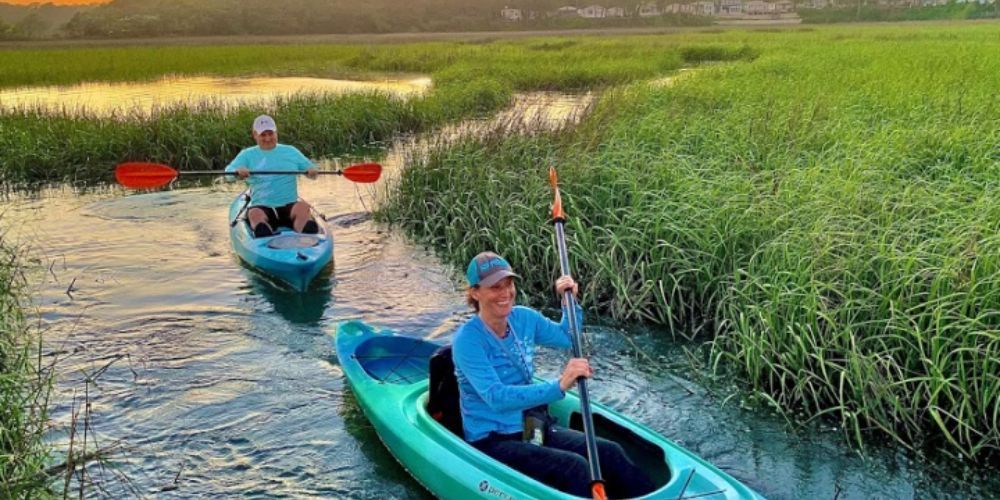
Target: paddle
[141,175]
[559,219]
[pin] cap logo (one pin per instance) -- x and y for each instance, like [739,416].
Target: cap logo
[495,261]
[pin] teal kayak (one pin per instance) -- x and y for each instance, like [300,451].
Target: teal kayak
[292,257]
[388,374]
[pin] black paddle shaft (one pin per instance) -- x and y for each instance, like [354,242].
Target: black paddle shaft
[588,419]
[259,172]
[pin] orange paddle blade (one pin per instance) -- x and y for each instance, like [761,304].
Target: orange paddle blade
[598,491]
[364,172]
[139,175]
[557,210]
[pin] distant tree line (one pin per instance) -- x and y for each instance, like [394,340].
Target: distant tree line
[158,18]
[131,18]
[877,13]
[19,22]
[164,18]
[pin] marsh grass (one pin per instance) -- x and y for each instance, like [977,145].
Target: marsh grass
[825,212]
[73,147]
[469,80]
[24,388]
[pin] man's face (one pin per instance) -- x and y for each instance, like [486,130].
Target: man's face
[267,139]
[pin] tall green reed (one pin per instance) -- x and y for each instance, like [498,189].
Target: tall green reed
[24,389]
[67,146]
[824,212]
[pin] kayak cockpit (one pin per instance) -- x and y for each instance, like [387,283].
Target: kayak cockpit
[395,360]
[646,455]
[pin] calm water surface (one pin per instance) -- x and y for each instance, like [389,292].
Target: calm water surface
[219,383]
[143,97]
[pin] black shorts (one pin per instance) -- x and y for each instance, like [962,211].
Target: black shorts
[278,216]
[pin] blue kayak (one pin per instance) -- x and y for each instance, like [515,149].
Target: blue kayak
[294,258]
[388,374]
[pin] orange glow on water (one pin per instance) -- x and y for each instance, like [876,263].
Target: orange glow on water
[57,2]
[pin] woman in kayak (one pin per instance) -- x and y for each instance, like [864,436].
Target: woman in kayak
[275,200]
[493,354]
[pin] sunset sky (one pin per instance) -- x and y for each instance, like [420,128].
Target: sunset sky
[56,2]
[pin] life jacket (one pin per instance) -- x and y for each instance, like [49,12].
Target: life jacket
[442,402]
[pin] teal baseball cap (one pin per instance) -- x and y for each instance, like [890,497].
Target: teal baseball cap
[488,268]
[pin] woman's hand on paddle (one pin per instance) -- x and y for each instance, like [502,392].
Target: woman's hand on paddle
[566,283]
[243,172]
[312,173]
[576,368]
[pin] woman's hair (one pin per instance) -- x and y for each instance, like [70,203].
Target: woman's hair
[473,303]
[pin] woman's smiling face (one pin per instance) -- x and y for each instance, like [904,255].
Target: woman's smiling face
[496,301]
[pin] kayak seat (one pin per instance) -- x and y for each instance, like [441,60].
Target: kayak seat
[286,241]
[442,400]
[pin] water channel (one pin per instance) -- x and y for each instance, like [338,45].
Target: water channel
[212,381]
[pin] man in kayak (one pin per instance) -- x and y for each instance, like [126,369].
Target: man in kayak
[493,354]
[275,201]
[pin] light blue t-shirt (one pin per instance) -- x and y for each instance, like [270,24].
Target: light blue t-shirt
[493,391]
[272,190]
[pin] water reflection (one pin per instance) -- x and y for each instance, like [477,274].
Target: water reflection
[299,308]
[144,97]
[378,458]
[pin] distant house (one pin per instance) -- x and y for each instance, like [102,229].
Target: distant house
[756,7]
[566,11]
[816,4]
[649,9]
[511,14]
[678,8]
[730,7]
[703,8]
[615,12]
[593,11]
[784,6]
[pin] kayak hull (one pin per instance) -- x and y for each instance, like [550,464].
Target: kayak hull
[292,257]
[388,374]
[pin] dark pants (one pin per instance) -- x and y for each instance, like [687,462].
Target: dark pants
[562,462]
[277,216]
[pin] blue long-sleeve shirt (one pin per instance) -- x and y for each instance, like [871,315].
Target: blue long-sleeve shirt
[272,190]
[493,392]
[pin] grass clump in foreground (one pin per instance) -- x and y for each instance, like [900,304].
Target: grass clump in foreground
[826,212]
[24,390]
[469,79]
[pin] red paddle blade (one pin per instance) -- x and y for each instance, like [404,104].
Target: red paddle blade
[364,172]
[139,175]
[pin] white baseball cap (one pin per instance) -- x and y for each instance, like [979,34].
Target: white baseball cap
[263,123]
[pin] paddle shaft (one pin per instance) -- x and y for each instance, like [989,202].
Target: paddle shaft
[246,204]
[258,172]
[588,420]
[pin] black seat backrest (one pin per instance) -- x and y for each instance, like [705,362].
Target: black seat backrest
[442,403]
